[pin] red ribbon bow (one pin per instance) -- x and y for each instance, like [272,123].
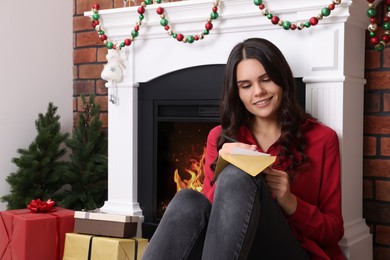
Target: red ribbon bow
[37,205]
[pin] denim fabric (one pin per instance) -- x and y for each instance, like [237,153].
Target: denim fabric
[244,222]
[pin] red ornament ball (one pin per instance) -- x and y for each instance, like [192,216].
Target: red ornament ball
[166,27]
[180,37]
[374,40]
[103,37]
[293,27]
[136,28]
[141,10]
[160,10]
[313,21]
[386,38]
[196,37]
[127,42]
[214,9]
[208,26]
[275,20]
[96,6]
[94,23]
[331,6]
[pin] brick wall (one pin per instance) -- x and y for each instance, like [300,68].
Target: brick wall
[89,57]
[376,162]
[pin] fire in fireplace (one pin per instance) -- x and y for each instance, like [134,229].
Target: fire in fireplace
[176,111]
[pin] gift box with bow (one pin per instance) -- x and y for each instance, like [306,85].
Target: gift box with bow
[26,235]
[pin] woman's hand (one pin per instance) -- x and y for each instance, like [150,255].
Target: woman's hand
[228,147]
[279,184]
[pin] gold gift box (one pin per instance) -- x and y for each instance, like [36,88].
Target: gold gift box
[83,247]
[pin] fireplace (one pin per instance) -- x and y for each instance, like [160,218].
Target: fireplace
[329,57]
[176,111]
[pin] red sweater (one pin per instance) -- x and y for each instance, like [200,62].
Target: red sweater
[317,222]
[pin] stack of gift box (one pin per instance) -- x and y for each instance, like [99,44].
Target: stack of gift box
[102,236]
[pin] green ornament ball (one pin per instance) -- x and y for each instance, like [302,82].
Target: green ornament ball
[269,16]
[109,45]
[372,34]
[386,26]
[380,47]
[286,25]
[96,16]
[141,17]
[371,12]
[257,2]
[325,11]
[190,39]
[214,15]
[206,32]
[148,2]
[164,22]
[134,33]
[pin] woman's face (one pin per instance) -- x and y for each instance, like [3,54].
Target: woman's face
[259,94]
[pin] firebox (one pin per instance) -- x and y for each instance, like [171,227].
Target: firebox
[175,112]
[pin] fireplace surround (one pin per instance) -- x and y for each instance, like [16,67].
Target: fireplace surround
[329,57]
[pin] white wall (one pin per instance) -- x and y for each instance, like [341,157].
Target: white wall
[36,63]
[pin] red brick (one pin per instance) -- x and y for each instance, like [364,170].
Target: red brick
[89,71]
[378,79]
[88,39]
[373,59]
[101,55]
[386,58]
[101,87]
[74,104]
[386,101]
[368,189]
[372,102]
[75,72]
[382,235]
[86,55]
[385,146]
[104,119]
[82,23]
[376,125]
[83,87]
[376,168]
[102,101]
[382,190]
[369,145]
[381,253]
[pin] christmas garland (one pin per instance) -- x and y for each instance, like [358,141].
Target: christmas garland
[378,42]
[287,25]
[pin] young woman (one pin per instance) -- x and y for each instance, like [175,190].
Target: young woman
[291,210]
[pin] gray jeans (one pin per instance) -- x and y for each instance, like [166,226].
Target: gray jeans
[244,222]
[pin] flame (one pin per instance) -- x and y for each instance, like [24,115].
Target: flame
[195,172]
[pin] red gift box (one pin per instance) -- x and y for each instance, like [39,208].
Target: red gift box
[34,236]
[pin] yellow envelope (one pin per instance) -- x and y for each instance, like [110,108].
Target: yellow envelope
[251,162]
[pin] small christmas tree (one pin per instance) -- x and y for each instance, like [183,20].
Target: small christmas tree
[86,172]
[37,175]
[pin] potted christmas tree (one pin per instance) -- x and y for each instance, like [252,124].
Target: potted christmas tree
[85,173]
[38,173]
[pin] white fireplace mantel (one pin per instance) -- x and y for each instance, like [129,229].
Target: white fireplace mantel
[329,57]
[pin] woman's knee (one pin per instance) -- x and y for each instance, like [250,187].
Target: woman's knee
[190,202]
[232,176]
